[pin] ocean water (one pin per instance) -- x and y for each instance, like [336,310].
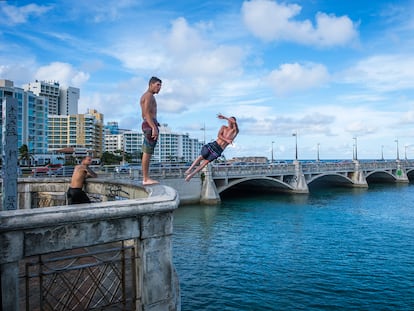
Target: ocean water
[334,249]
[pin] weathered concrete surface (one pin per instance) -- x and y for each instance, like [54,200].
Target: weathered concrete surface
[189,192]
[147,221]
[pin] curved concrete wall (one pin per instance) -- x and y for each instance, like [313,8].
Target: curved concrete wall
[147,221]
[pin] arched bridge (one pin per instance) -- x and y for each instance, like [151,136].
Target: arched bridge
[298,177]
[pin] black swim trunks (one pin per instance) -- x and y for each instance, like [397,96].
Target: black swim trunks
[77,196]
[211,151]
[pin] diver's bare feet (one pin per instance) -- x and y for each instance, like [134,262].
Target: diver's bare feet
[189,177]
[149,182]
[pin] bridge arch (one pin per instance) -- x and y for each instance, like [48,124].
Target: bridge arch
[330,178]
[265,184]
[380,176]
[410,174]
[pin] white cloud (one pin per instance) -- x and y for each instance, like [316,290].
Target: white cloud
[271,21]
[182,39]
[181,50]
[19,73]
[64,73]
[292,77]
[13,15]
[382,73]
[187,62]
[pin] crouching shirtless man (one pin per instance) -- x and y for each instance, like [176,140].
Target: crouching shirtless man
[75,193]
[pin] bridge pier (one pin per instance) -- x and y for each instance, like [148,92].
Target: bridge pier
[299,183]
[401,174]
[209,193]
[358,177]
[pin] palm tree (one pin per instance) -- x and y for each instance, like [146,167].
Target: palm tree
[25,155]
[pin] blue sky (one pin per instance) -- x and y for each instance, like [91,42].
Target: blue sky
[335,72]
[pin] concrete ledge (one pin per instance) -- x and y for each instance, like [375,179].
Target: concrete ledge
[146,222]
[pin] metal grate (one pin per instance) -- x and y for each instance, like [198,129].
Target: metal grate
[99,278]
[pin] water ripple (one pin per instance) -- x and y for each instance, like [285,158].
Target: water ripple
[333,250]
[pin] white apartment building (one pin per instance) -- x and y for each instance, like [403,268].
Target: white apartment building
[31,119]
[127,141]
[114,142]
[68,100]
[171,147]
[62,100]
[49,90]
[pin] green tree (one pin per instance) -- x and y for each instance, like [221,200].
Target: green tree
[24,155]
[109,158]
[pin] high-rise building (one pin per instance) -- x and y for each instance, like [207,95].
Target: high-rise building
[62,100]
[32,117]
[68,100]
[176,147]
[114,142]
[80,130]
[49,90]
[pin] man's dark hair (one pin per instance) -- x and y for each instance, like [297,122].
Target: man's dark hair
[154,80]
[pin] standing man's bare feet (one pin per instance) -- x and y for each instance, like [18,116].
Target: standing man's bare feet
[149,182]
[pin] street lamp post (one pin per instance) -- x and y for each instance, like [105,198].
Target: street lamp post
[398,151]
[356,148]
[405,152]
[382,152]
[272,150]
[296,145]
[317,152]
[204,133]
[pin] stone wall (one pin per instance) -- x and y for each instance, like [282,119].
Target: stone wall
[146,221]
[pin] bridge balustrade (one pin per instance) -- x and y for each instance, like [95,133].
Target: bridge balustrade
[321,167]
[379,165]
[221,171]
[249,170]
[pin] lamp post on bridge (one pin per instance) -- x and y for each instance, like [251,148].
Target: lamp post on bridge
[382,152]
[356,148]
[398,151]
[272,150]
[204,133]
[296,145]
[317,152]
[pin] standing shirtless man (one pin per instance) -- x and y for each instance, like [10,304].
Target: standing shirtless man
[213,150]
[75,194]
[149,127]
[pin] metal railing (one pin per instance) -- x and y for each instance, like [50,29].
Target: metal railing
[85,279]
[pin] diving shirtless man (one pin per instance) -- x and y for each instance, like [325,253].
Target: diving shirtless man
[213,150]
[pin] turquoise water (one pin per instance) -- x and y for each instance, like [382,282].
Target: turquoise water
[334,249]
